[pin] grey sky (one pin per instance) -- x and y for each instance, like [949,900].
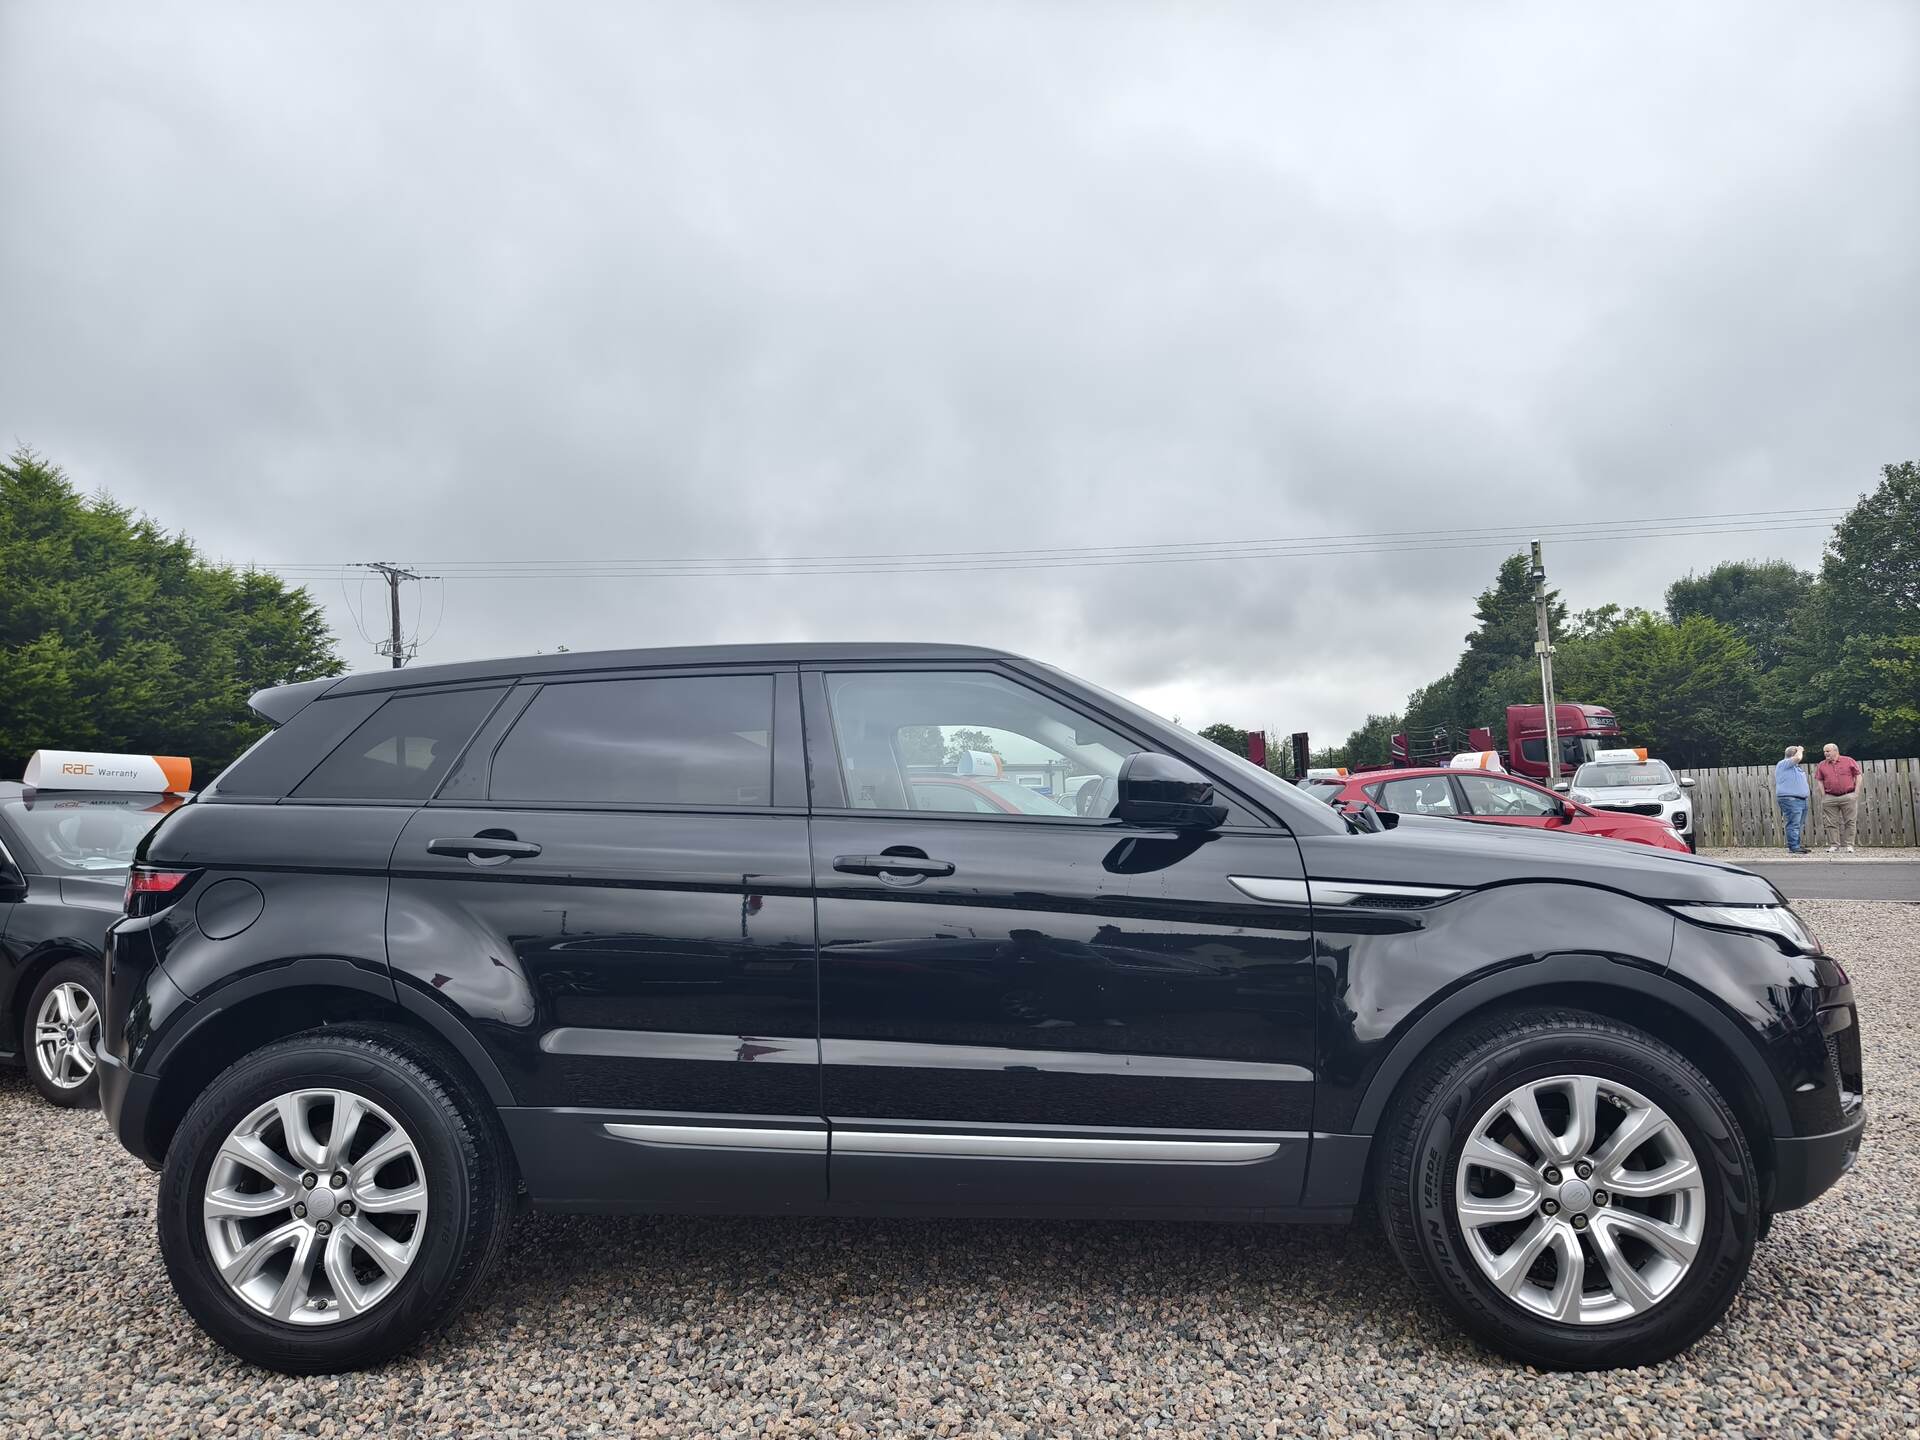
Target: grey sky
[439,283]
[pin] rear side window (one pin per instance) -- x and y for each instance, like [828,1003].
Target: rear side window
[677,740]
[402,750]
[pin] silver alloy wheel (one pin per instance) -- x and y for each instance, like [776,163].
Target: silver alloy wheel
[63,1035]
[315,1206]
[1580,1200]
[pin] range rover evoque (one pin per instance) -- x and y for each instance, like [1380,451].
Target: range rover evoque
[669,930]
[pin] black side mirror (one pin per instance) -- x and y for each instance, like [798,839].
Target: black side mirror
[13,883]
[1162,791]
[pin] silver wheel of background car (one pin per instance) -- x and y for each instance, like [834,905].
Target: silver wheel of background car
[63,1035]
[1580,1200]
[315,1206]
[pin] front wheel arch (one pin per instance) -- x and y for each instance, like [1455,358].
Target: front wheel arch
[1662,1007]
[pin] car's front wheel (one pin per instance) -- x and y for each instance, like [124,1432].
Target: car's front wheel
[1575,1191]
[330,1199]
[62,1021]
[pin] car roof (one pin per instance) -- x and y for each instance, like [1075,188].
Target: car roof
[280,702]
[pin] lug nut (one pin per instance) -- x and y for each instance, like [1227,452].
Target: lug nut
[300,1211]
[309,1180]
[1583,1170]
[1549,1207]
[339,1179]
[346,1207]
[1553,1175]
[323,1227]
[1599,1197]
[1579,1222]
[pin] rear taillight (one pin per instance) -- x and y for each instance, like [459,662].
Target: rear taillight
[150,891]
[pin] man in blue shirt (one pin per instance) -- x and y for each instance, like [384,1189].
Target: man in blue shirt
[1790,790]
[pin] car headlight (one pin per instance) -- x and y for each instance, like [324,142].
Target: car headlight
[1668,795]
[1580,795]
[1777,921]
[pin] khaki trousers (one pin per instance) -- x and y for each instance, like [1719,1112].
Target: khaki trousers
[1837,817]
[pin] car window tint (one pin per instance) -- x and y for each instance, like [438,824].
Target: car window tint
[1491,795]
[970,731]
[1418,795]
[677,740]
[401,750]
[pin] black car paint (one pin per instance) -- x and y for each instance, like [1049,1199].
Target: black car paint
[666,967]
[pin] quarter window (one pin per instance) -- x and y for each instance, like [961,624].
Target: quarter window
[676,740]
[401,751]
[969,741]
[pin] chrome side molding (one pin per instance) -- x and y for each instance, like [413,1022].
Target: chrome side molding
[1053,1147]
[1337,892]
[722,1137]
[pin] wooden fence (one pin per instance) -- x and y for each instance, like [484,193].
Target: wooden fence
[1735,806]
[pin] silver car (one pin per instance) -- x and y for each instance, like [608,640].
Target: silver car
[1621,780]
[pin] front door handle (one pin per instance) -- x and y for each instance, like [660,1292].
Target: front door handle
[487,848]
[916,867]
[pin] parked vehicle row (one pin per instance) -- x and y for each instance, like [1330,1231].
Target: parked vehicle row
[706,930]
[66,841]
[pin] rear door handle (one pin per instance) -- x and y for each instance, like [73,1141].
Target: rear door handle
[918,867]
[486,849]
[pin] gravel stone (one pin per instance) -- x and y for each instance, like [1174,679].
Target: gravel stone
[777,1328]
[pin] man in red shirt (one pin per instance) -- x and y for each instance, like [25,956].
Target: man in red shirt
[1839,777]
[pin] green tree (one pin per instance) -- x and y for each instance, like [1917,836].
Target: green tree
[1687,691]
[115,635]
[1227,737]
[1372,743]
[1845,674]
[1757,599]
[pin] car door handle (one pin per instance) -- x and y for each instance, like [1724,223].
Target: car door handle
[917,867]
[484,849]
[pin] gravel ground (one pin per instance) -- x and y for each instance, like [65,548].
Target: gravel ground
[726,1327]
[1739,854]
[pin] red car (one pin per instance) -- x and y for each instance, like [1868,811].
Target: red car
[1490,796]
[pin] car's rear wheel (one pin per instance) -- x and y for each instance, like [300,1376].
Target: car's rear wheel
[60,1025]
[1572,1189]
[332,1198]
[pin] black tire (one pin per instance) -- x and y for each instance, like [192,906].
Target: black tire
[86,975]
[1431,1119]
[468,1175]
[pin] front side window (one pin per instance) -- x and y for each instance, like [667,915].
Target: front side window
[970,742]
[1495,795]
[1422,795]
[674,740]
[401,751]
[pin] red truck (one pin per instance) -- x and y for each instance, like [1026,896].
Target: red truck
[1583,730]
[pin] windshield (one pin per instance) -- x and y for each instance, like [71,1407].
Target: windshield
[1614,773]
[81,835]
[1322,790]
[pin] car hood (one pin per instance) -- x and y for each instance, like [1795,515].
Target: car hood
[1624,794]
[1431,850]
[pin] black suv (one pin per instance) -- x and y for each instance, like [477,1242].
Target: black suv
[768,929]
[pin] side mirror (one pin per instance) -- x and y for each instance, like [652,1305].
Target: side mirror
[1686,782]
[13,882]
[1563,786]
[1160,790]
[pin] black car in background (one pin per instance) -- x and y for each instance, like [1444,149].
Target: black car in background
[63,870]
[671,931]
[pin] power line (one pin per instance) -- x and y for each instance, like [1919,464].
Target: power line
[396,645]
[1802,517]
[963,562]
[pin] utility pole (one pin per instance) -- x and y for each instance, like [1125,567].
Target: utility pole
[1543,647]
[394,645]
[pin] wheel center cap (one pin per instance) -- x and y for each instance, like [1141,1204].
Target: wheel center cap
[320,1203]
[1576,1196]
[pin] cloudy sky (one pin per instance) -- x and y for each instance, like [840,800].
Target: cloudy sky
[466,283]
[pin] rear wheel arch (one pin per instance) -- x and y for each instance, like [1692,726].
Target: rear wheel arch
[1662,1007]
[318,995]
